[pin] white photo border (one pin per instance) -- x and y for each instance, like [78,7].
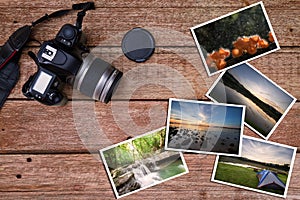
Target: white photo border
[210,103]
[268,79]
[221,17]
[257,190]
[126,141]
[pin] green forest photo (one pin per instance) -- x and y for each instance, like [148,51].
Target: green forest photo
[141,162]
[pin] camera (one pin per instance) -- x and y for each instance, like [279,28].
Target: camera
[45,87]
[66,59]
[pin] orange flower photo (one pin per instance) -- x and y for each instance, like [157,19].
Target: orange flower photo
[235,38]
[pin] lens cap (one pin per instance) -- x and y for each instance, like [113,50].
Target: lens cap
[138,45]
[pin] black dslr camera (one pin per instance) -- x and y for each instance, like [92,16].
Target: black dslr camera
[61,61]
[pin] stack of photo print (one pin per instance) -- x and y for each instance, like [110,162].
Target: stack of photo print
[241,95]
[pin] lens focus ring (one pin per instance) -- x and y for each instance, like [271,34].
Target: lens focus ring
[97,79]
[99,89]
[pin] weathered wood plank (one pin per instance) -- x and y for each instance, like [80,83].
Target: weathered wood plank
[58,139]
[149,195]
[27,127]
[175,71]
[105,23]
[291,4]
[82,176]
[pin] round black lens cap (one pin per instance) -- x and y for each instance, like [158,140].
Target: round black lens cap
[138,45]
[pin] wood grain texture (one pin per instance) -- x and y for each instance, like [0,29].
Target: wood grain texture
[49,148]
[88,126]
[291,4]
[105,23]
[80,176]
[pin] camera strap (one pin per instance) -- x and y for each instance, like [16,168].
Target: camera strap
[10,52]
[9,76]
[21,36]
[80,6]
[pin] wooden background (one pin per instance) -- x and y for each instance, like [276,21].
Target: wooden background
[45,155]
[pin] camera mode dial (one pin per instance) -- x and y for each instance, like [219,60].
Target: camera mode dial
[68,35]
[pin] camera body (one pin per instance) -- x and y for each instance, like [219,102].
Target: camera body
[45,87]
[61,61]
[63,55]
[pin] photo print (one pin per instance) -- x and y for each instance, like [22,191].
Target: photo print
[204,127]
[266,103]
[264,167]
[141,162]
[235,38]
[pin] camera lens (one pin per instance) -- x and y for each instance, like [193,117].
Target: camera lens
[97,79]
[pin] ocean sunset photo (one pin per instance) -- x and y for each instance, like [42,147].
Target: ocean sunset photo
[195,126]
[266,103]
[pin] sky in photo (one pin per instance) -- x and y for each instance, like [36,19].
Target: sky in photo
[265,152]
[261,87]
[203,114]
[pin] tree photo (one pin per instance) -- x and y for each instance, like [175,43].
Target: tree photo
[141,162]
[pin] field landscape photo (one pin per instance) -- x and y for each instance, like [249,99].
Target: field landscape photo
[195,126]
[263,166]
[141,162]
[235,38]
[266,103]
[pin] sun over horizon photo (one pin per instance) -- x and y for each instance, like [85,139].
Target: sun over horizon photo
[266,103]
[204,127]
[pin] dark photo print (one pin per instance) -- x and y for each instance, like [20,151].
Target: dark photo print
[235,38]
[204,127]
[266,103]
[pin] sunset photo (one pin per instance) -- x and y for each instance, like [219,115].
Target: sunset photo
[204,127]
[266,103]
[264,167]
